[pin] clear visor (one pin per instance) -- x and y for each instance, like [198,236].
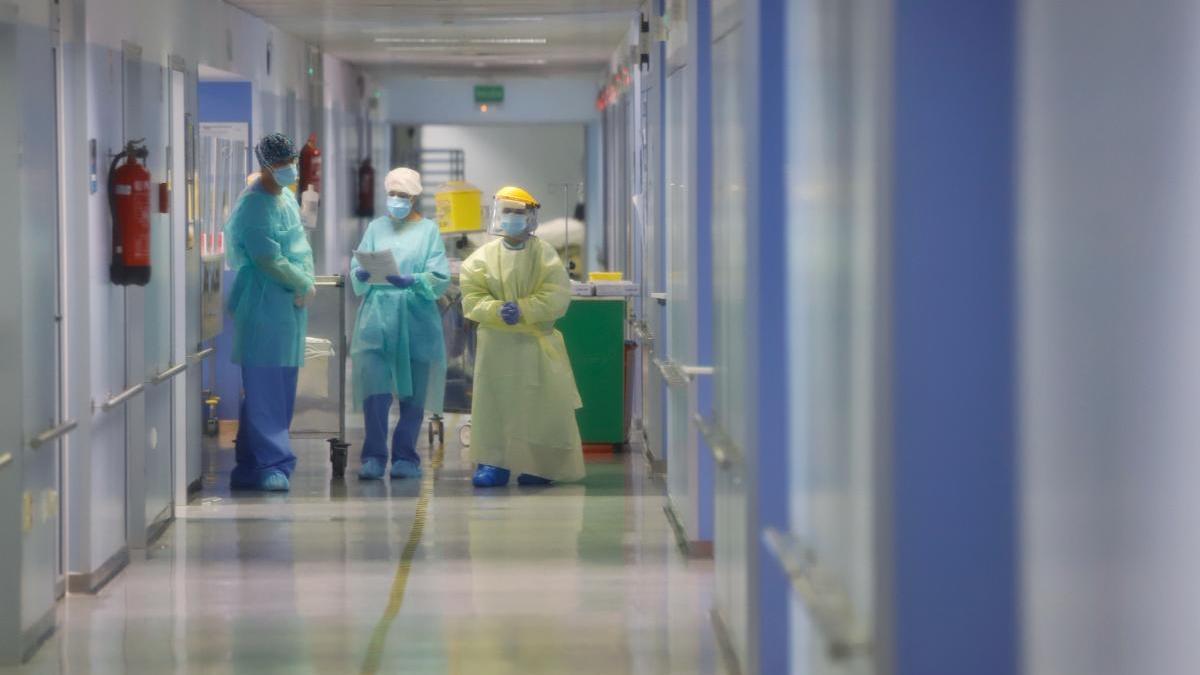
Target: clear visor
[512,218]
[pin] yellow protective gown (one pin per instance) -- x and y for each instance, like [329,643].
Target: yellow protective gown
[524,403]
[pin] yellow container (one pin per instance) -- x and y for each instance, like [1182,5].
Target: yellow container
[605,276]
[459,208]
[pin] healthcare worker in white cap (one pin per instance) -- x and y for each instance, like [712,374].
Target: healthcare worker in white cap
[397,349]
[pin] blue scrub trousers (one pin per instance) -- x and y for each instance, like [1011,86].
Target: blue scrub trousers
[263,423]
[408,429]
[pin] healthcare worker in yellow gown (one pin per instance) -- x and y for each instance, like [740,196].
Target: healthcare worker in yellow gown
[523,408]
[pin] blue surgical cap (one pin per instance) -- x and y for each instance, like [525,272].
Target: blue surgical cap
[275,148]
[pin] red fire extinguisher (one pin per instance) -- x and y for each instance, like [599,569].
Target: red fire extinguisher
[366,190]
[310,166]
[129,205]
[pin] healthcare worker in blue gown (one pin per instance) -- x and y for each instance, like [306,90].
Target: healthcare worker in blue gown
[267,246]
[397,350]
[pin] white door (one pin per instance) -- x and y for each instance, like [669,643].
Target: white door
[149,419]
[160,361]
[680,344]
[732,330]
[652,316]
[42,564]
[31,423]
[835,201]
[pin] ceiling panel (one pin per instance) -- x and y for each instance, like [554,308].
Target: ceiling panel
[468,35]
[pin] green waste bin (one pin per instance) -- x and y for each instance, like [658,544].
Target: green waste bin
[594,331]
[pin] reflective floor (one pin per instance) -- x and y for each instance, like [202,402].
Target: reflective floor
[427,576]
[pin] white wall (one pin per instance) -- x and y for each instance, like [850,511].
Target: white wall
[94,32]
[535,157]
[340,145]
[1110,336]
[451,100]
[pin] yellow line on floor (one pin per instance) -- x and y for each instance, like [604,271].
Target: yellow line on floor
[400,581]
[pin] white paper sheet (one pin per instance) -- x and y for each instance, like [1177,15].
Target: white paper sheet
[380,264]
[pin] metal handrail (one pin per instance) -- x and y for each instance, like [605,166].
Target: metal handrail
[53,433]
[5,459]
[335,280]
[202,354]
[693,372]
[724,451]
[120,398]
[169,373]
[826,602]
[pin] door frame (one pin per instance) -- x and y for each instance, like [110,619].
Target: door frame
[177,178]
[63,375]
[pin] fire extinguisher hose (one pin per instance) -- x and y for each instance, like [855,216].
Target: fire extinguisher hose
[112,201]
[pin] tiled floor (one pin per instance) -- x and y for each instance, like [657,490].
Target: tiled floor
[569,579]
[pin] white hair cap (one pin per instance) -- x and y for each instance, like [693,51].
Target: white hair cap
[404,180]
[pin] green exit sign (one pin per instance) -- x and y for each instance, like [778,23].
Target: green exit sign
[489,93]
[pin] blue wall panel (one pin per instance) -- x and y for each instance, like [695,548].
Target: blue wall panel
[226,102]
[952,284]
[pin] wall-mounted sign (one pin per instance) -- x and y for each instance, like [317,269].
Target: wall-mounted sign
[489,93]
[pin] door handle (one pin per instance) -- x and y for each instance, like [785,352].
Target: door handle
[202,354]
[671,373]
[827,603]
[169,373]
[53,433]
[122,397]
[724,451]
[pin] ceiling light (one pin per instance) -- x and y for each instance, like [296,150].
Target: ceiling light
[502,19]
[453,21]
[460,41]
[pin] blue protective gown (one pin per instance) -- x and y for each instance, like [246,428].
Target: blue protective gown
[267,246]
[398,349]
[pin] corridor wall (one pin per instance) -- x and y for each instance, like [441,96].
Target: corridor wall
[99,36]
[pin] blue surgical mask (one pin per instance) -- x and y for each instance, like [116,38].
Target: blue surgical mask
[399,207]
[285,176]
[513,224]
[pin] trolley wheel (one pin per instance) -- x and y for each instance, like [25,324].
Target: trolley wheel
[339,452]
[437,429]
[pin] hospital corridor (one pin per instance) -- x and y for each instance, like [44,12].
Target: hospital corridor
[599,337]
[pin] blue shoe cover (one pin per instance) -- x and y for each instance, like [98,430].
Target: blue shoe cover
[403,468]
[276,481]
[487,475]
[372,469]
[530,479]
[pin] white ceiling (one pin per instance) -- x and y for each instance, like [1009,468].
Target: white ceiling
[457,35]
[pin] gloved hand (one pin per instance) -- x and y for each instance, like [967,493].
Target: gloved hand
[302,298]
[402,280]
[510,313]
[362,275]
